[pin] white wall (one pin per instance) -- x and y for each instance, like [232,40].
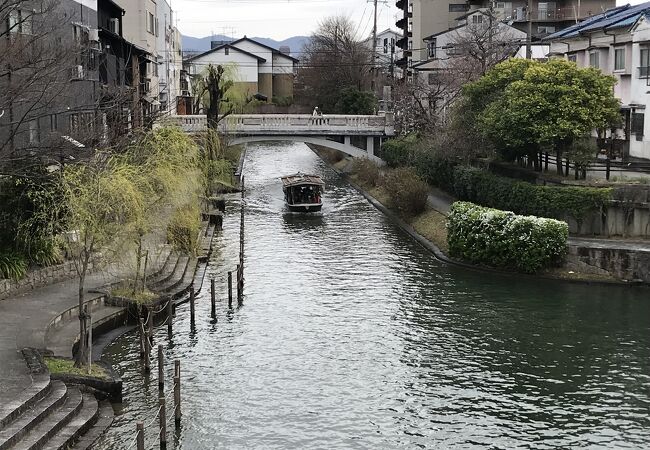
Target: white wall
[282,65]
[245,65]
[262,52]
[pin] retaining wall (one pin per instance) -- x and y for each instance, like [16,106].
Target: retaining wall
[39,278]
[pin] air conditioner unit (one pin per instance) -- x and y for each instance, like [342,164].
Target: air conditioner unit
[77,72]
[114,25]
[93,35]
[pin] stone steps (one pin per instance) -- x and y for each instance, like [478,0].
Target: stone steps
[56,421]
[17,429]
[166,271]
[40,388]
[50,425]
[176,277]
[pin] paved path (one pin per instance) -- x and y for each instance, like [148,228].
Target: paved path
[24,319]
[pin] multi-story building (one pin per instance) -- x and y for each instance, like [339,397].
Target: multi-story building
[386,51]
[170,58]
[422,18]
[141,26]
[618,43]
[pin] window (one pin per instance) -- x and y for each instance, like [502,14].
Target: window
[54,122]
[644,65]
[638,120]
[545,30]
[594,59]
[573,58]
[151,23]
[20,21]
[157,28]
[458,7]
[431,48]
[477,18]
[619,59]
[226,51]
[385,45]
[546,10]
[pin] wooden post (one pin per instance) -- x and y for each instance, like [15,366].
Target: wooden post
[177,392]
[144,273]
[229,289]
[140,435]
[545,161]
[170,314]
[150,326]
[213,307]
[192,304]
[161,369]
[141,333]
[147,353]
[163,422]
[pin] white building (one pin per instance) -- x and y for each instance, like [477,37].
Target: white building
[618,43]
[170,57]
[386,51]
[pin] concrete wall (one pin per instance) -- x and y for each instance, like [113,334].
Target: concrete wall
[283,85]
[265,85]
[622,263]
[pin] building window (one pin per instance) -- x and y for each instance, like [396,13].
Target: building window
[458,7]
[644,65]
[385,45]
[619,59]
[477,18]
[151,23]
[638,120]
[546,10]
[54,122]
[431,48]
[573,58]
[226,51]
[594,60]
[545,30]
[20,21]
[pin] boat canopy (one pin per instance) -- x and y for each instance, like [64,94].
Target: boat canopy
[300,179]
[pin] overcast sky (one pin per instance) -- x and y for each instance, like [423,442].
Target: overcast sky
[276,19]
[280,19]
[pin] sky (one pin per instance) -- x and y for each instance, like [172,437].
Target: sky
[275,19]
[280,19]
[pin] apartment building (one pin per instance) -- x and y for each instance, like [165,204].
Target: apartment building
[422,18]
[169,56]
[618,43]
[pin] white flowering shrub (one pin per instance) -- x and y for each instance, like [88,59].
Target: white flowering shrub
[503,239]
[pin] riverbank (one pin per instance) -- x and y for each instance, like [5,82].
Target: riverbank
[430,226]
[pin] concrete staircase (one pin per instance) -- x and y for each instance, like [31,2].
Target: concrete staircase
[50,415]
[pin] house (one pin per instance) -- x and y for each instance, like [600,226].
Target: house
[258,68]
[617,42]
[386,51]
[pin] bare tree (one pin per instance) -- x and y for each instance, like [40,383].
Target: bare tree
[334,60]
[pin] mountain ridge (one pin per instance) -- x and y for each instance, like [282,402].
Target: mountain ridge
[194,44]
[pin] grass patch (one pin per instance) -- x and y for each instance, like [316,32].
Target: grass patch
[432,225]
[62,366]
[142,297]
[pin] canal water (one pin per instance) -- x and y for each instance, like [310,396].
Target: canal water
[351,335]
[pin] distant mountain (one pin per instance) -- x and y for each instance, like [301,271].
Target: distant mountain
[197,45]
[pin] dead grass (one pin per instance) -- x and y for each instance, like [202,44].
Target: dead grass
[432,225]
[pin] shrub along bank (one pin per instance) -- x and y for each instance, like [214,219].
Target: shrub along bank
[487,189]
[505,240]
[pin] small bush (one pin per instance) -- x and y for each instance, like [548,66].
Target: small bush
[367,171]
[183,229]
[46,252]
[503,239]
[282,100]
[407,190]
[399,152]
[12,266]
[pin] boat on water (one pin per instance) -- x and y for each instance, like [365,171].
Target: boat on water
[303,192]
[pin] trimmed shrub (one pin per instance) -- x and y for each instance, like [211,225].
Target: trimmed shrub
[407,190]
[502,239]
[183,229]
[12,266]
[366,170]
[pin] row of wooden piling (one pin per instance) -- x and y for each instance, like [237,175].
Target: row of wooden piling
[146,341]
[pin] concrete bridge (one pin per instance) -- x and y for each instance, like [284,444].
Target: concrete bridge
[357,136]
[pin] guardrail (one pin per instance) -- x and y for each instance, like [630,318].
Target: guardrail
[298,124]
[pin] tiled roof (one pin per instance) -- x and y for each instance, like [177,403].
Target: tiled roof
[619,17]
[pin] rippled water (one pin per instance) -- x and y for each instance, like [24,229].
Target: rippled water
[353,336]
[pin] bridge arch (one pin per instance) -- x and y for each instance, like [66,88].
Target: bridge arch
[345,148]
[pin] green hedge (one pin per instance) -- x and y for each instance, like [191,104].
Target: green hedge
[502,239]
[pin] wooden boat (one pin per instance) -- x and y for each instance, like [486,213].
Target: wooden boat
[302,192]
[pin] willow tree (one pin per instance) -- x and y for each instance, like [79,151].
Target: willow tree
[103,204]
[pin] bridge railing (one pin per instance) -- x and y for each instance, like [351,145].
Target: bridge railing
[290,124]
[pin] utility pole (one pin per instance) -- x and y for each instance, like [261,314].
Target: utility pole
[374,48]
[529,31]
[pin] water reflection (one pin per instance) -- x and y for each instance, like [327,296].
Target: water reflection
[353,336]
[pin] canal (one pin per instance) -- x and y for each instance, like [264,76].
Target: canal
[351,335]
